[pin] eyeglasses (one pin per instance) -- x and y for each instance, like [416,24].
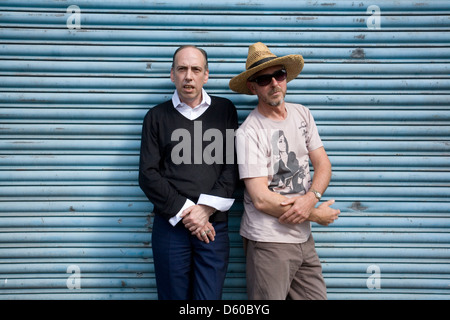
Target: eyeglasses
[265,79]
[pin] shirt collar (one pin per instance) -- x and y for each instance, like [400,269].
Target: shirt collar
[206,99]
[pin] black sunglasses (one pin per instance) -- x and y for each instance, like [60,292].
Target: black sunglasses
[265,79]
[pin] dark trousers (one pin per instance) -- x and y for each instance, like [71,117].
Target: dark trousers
[185,267]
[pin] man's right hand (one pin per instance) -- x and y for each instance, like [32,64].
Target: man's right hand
[324,214]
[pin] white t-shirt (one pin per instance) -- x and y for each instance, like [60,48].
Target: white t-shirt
[277,150]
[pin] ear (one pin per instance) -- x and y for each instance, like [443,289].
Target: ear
[172,76]
[251,87]
[206,77]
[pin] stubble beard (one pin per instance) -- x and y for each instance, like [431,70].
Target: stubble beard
[276,103]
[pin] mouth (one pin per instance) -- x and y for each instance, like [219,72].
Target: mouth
[275,93]
[188,87]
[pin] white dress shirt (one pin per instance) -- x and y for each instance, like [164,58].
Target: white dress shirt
[189,112]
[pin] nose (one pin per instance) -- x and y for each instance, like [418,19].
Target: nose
[274,82]
[188,74]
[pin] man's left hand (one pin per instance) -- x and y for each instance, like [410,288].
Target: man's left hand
[196,217]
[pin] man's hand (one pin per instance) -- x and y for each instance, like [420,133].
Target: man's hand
[207,233]
[324,214]
[300,209]
[196,220]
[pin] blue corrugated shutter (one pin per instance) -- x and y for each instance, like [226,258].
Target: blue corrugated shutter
[73,221]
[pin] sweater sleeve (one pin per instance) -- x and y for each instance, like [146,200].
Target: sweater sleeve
[165,198]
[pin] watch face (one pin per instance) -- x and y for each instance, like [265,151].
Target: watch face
[317,194]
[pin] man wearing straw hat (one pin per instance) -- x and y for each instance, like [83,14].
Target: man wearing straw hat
[274,146]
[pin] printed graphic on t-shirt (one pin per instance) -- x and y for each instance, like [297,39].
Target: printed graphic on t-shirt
[288,174]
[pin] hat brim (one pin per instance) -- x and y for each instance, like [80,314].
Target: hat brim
[293,64]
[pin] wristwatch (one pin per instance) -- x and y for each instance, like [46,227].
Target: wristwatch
[317,194]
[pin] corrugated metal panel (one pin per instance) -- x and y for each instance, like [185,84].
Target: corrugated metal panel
[72,102]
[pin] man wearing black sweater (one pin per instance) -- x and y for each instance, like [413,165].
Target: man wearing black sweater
[188,171]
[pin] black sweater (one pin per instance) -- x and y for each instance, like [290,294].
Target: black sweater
[166,182]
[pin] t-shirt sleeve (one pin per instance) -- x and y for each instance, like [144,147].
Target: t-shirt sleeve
[251,154]
[313,140]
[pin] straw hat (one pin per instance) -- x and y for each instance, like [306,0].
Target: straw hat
[259,58]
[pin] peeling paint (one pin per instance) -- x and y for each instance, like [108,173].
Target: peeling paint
[357,206]
[358,54]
